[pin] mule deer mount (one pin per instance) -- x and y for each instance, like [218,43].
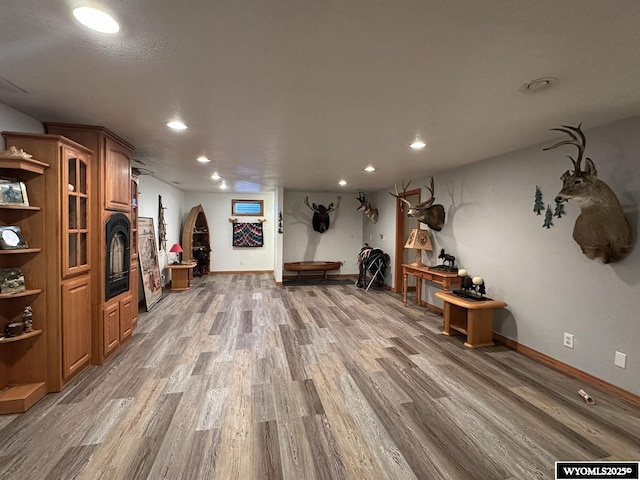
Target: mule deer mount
[321,220]
[602,230]
[425,212]
[366,208]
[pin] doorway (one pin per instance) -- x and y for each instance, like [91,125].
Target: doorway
[404,226]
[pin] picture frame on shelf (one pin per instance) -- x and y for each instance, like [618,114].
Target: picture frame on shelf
[11,280]
[13,193]
[11,238]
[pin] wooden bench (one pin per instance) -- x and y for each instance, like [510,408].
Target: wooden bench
[312,268]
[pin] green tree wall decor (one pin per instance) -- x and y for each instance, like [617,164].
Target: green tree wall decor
[538,205]
[559,210]
[548,216]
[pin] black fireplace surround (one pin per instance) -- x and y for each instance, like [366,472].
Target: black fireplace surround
[117,258]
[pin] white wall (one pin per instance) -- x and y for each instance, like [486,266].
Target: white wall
[549,285]
[279,237]
[382,234]
[148,206]
[343,240]
[225,257]
[12,120]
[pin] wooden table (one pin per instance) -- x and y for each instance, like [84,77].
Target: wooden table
[473,318]
[444,279]
[181,275]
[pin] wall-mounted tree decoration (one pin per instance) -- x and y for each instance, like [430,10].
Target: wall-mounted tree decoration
[162,226]
[559,210]
[548,216]
[602,230]
[538,204]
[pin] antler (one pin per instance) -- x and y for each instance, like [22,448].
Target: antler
[404,190]
[332,208]
[306,202]
[574,141]
[428,202]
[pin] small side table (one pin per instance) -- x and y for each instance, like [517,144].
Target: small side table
[181,275]
[473,318]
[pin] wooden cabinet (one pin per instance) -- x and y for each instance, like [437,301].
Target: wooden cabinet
[65,262]
[117,166]
[126,318]
[111,192]
[111,326]
[23,359]
[195,241]
[76,325]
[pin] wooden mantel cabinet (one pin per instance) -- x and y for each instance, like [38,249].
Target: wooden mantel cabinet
[115,318]
[64,265]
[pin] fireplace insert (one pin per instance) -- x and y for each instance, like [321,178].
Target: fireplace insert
[117,255]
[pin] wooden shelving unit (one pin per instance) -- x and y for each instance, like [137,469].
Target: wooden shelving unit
[195,241]
[23,359]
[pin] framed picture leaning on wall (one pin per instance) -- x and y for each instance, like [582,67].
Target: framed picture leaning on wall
[13,193]
[11,238]
[149,265]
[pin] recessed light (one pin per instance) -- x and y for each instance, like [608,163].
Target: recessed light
[176,125]
[96,20]
[538,84]
[223,185]
[417,145]
[203,159]
[342,183]
[216,176]
[370,169]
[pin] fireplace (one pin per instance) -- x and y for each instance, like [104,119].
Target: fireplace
[118,262]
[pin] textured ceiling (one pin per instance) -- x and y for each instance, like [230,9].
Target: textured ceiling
[300,94]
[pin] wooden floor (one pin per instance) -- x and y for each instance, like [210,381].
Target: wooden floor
[238,378]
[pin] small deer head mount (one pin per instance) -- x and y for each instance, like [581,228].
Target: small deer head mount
[321,220]
[602,230]
[365,207]
[425,212]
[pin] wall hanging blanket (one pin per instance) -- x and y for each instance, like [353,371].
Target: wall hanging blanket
[247,235]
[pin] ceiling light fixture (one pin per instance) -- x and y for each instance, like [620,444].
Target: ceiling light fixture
[216,176]
[203,159]
[176,125]
[538,84]
[342,183]
[96,20]
[417,144]
[223,185]
[369,169]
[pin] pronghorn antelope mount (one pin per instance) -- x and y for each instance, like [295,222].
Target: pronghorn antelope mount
[366,208]
[602,230]
[425,212]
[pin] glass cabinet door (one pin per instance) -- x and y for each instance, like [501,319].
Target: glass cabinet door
[75,201]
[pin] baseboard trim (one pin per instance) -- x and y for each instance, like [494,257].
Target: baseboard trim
[235,272]
[568,369]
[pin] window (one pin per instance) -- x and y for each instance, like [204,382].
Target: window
[250,208]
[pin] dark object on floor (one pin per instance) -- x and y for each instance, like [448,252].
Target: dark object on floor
[372,262]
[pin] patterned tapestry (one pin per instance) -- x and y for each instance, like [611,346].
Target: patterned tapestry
[247,235]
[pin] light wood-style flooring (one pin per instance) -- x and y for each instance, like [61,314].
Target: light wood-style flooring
[237,378]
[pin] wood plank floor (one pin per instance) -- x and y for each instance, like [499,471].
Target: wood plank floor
[237,378]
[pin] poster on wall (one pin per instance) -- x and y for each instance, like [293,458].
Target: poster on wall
[148,258]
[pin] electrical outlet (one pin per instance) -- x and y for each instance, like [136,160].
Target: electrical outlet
[568,340]
[241,262]
[620,360]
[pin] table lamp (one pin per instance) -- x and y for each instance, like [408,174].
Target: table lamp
[177,249]
[420,240]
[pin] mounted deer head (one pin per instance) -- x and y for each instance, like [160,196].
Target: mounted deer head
[602,230]
[425,212]
[369,212]
[321,220]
